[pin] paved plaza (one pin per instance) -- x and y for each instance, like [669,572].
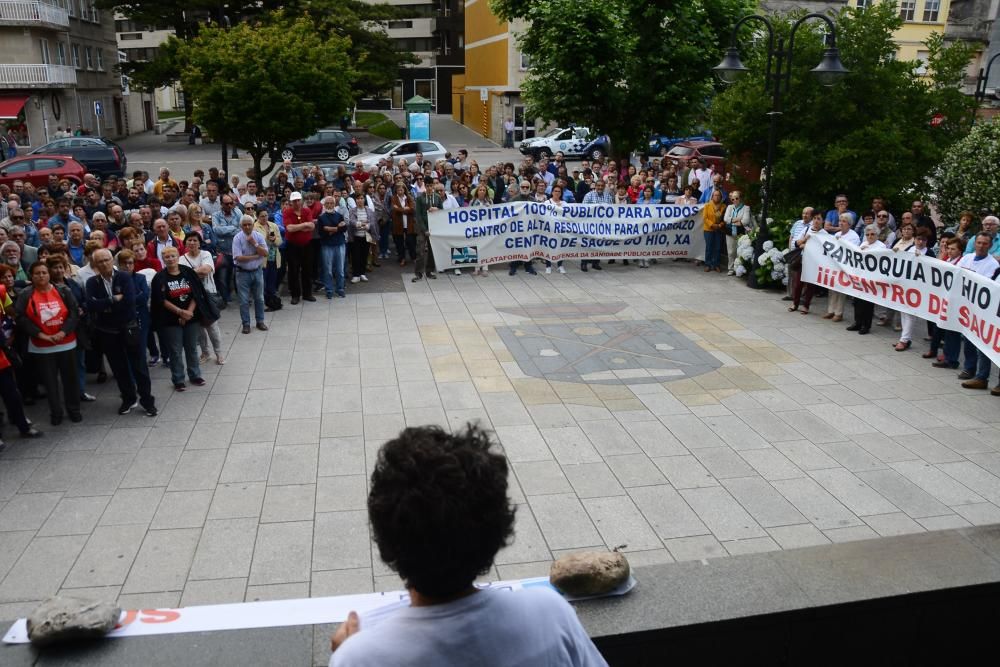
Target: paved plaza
[674,412]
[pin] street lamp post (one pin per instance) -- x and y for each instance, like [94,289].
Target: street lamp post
[984,76]
[777,79]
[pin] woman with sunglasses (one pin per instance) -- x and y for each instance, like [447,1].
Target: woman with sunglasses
[864,309]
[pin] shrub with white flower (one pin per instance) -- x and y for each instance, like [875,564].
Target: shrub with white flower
[968,178]
[744,255]
[771,269]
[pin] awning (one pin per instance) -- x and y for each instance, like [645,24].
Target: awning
[11,105]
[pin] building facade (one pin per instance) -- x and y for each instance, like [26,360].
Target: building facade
[57,70]
[489,92]
[140,43]
[975,22]
[435,35]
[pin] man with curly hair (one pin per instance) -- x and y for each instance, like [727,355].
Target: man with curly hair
[439,512]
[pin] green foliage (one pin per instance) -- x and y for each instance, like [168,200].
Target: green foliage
[263,86]
[379,125]
[626,68]
[869,135]
[969,176]
[373,55]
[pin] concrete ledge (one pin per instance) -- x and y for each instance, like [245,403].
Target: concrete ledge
[916,599]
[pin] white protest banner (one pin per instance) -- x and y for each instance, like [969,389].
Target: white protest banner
[951,297]
[519,231]
[373,607]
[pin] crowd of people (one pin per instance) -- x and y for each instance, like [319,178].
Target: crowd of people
[135,271]
[971,245]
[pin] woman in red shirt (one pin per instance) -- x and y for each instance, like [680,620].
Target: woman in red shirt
[48,315]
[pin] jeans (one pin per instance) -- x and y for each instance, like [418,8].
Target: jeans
[183,345]
[334,258]
[863,311]
[250,287]
[223,278]
[405,244]
[384,234]
[271,279]
[425,256]
[950,341]
[213,333]
[359,256]
[976,362]
[12,400]
[713,249]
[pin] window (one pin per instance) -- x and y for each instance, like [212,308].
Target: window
[48,163]
[19,167]
[863,4]
[907,8]
[932,8]
[60,53]
[76,56]
[414,44]
[100,60]
[89,52]
[397,25]
[525,62]
[125,36]
[44,46]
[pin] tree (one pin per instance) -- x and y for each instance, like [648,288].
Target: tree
[623,67]
[376,59]
[265,85]
[878,132]
[969,176]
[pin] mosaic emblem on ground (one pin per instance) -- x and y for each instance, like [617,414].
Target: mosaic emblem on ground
[623,352]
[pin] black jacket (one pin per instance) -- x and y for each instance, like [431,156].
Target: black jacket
[108,315]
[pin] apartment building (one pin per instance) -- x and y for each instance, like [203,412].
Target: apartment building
[57,69]
[435,35]
[489,91]
[140,43]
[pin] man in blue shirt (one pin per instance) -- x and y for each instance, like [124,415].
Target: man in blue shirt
[990,226]
[63,217]
[832,221]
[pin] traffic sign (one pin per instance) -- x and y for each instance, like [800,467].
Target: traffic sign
[98,108]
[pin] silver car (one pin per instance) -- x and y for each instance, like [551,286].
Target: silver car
[402,149]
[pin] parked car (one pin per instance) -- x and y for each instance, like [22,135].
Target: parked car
[328,144]
[571,141]
[599,147]
[36,169]
[402,150]
[101,157]
[660,144]
[712,151]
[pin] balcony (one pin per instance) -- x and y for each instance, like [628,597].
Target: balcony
[37,76]
[31,13]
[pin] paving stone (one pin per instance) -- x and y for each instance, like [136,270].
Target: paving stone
[213,432]
[563,521]
[668,513]
[341,541]
[635,470]
[163,562]
[255,429]
[344,492]
[853,492]
[197,470]
[294,464]
[570,445]
[771,464]
[238,500]
[609,438]
[182,509]
[294,502]
[13,473]
[945,522]
[768,507]
[979,514]
[341,456]
[619,522]
[692,432]
[40,571]
[108,556]
[282,553]
[592,480]
[541,477]
[699,547]
[903,493]
[151,467]
[723,462]
[725,517]
[754,545]
[11,548]
[851,456]
[132,506]
[806,455]
[523,443]
[298,431]
[213,591]
[528,544]
[974,477]
[797,536]
[850,534]
[815,503]
[341,582]
[883,447]
[685,472]
[941,486]
[75,516]
[896,523]
[28,511]
[225,549]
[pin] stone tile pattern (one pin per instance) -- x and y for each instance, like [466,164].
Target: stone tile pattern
[799,433]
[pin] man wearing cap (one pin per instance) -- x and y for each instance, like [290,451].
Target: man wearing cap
[427,202]
[299,225]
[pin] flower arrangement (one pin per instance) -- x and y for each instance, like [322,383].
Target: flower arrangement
[744,255]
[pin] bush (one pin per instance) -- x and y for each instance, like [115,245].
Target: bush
[968,178]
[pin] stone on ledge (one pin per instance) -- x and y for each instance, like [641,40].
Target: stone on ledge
[64,619]
[589,572]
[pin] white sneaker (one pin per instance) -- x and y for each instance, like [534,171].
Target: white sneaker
[364,278]
[548,270]
[458,272]
[562,270]
[355,279]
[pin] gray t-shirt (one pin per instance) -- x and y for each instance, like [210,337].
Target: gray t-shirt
[491,628]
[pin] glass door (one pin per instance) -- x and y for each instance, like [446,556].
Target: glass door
[524,128]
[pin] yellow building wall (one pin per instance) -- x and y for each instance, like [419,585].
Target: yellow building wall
[911,35]
[480,22]
[457,97]
[486,65]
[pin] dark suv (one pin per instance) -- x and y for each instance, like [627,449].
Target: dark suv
[328,144]
[102,157]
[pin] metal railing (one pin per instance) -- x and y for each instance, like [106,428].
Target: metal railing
[28,12]
[41,76]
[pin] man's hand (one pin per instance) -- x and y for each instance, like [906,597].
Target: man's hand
[185,315]
[118,297]
[346,629]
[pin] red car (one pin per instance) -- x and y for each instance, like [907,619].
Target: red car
[718,158]
[36,169]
